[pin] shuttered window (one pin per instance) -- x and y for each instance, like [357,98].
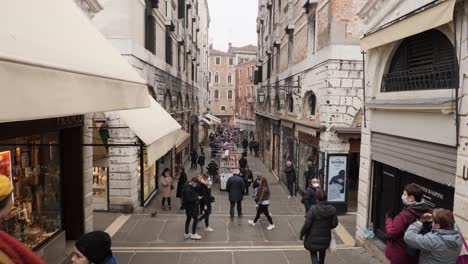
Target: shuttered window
[150,30]
[168,48]
[424,61]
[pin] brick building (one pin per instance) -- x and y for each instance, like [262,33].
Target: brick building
[310,91]
[246,95]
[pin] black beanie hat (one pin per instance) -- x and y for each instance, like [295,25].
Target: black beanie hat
[95,246]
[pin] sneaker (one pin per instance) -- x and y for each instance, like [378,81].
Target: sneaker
[186,236]
[252,223]
[289,197]
[209,229]
[271,227]
[195,236]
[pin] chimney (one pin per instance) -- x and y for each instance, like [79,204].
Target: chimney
[230,45]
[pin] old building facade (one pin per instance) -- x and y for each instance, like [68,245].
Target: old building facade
[166,41]
[246,95]
[310,91]
[415,128]
[222,85]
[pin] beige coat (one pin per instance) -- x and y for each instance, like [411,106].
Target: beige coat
[165,184]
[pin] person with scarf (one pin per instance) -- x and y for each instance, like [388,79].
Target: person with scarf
[206,200]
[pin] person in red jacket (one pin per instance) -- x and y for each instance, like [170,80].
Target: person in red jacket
[397,252]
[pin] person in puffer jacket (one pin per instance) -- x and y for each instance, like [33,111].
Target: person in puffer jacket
[440,246]
[320,220]
[397,251]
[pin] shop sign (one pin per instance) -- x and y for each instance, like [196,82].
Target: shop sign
[70,121]
[337,177]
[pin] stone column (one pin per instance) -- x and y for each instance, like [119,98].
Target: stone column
[88,173]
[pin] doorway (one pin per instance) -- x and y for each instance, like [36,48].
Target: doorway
[353,181]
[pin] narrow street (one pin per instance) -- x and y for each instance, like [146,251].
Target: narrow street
[140,238]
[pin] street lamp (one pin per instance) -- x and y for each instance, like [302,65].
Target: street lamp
[261,97]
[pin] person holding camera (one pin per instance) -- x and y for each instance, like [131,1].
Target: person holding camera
[397,252]
[440,246]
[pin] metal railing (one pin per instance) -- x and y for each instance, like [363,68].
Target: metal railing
[427,78]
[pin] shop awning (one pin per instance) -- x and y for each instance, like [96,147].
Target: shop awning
[182,140]
[208,122]
[213,118]
[419,21]
[155,127]
[54,62]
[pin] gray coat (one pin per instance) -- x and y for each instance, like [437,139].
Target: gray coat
[235,186]
[437,247]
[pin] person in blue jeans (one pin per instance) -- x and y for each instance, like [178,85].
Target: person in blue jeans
[316,232]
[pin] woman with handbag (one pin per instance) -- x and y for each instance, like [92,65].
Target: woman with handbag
[320,220]
[207,199]
[166,187]
[263,201]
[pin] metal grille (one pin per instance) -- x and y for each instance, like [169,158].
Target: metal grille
[427,78]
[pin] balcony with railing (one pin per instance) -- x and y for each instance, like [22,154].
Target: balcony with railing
[424,78]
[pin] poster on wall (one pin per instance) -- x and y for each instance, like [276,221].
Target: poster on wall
[5,165]
[337,174]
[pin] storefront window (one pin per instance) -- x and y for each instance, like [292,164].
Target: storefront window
[33,164]
[149,178]
[306,153]
[101,167]
[100,188]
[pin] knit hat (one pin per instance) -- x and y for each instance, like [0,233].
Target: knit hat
[95,246]
[5,187]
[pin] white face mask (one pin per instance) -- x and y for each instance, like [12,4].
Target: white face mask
[404,199]
[315,185]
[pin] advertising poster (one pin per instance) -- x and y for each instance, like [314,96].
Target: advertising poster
[5,163]
[337,173]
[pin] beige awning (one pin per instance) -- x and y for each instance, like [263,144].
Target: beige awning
[425,19]
[213,118]
[54,62]
[208,122]
[155,127]
[182,140]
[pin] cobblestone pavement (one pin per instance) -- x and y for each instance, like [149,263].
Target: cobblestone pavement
[140,238]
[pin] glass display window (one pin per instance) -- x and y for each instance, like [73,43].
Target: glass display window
[33,164]
[148,178]
[100,188]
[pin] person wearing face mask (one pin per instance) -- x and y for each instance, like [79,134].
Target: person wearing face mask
[397,252]
[440,246]
[309,195]
[191,198]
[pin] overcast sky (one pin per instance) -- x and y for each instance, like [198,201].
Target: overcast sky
[233,21]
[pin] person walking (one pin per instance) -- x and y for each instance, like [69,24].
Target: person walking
[245,146]
[205,202]
[310,173]
[251,145]
[11,250]
[248,178]
[309,195]
[180,185]
[395,227]
[212,170]
[191,198]
[201,161]
[166,187]
[193,158]
[256,147]
[290,177]
[262,201]
[93,248]
[235,187]
[316,232]
[440,246]
[243,162]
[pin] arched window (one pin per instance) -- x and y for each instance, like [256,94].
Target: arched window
[216,94]
[230,95]
[290,101]
[216,78]
[223,108]
[252,111]
[210,76]
[187,102]
[229,79]
[311,104]
[422,62]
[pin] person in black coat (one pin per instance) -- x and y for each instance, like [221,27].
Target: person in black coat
[180,185]
[212,170]
[251,145]
[191,198]
[309,195]
[316,232]
[243,162]
[290,177]
[256,148]
[235,187]
[247,175]
[245,145]
[201,161]
[193,158]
